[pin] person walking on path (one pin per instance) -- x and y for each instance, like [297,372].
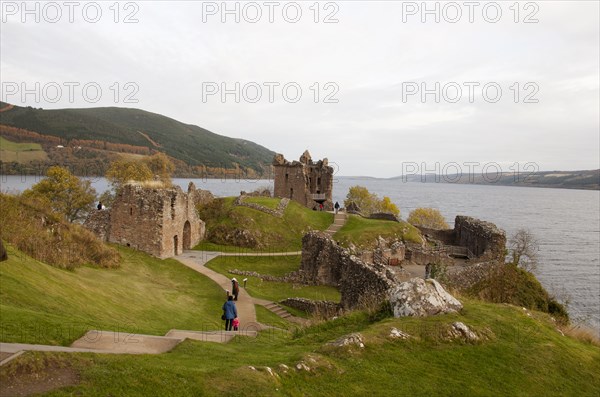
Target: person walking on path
[235,288]
[337,207]
[230,312]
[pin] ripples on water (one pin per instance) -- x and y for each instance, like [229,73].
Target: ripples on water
[565,222]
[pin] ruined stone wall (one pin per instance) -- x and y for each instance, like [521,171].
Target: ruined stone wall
[136,219]
[99,223]
[290,182]
[277,212]
[482,238]
[161,222]
[446,236]
[199,196]
[299,180]
[182,229]
[325,262]
[386,216]
[322,308]
[421,256]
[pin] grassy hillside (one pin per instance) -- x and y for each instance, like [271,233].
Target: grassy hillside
[192,144]
[21,152]
[363,232]
[223,218]
[273,266]
[46,236]
[42,304]
[522,356]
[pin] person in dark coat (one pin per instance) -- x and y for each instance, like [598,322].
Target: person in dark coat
[235,288]
[230,312]
[337,207]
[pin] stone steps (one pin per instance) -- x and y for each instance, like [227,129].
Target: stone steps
[278,310]
[339,221]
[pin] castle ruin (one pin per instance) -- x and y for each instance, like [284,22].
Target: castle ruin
[307,182]
[480,240]
[160,221]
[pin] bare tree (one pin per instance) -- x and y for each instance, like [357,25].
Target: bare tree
[524,248]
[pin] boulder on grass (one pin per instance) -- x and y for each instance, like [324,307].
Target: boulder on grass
[420,298]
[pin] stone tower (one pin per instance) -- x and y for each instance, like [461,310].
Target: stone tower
[307,182]
[160,221]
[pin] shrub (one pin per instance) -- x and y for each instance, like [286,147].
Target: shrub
[45,236]
[427,217]
[368,202]
[506,283]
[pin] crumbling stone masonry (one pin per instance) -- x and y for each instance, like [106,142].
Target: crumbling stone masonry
[304,181]
[360,284]
[161,222]
[323,308]
[484,240]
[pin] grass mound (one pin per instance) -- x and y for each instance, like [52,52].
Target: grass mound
[363,232]
[229,225]
[42,304]
[507,283]
[47,237]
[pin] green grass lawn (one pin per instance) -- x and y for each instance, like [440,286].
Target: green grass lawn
[5,144]
[42,304]
[268,202]
[20,152]
[275,234]
[208,246]
[363,232]
[523,357]
[276,266]
[271,265]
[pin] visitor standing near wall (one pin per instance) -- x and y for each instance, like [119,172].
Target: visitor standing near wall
[235,288]
[229,312]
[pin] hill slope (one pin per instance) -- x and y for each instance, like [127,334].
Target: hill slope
[191,144]
[233,228]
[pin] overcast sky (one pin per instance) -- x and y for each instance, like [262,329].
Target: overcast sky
[369,67]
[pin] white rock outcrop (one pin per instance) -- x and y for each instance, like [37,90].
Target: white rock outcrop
[461,330]
[355,339]
[420,298]
[395,333]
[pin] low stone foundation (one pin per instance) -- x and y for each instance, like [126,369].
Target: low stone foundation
[278,212]
[293,277]
[386,216]
[321,308]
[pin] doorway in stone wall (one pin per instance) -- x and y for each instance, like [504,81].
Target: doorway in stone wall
[187,236]
[176,244]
